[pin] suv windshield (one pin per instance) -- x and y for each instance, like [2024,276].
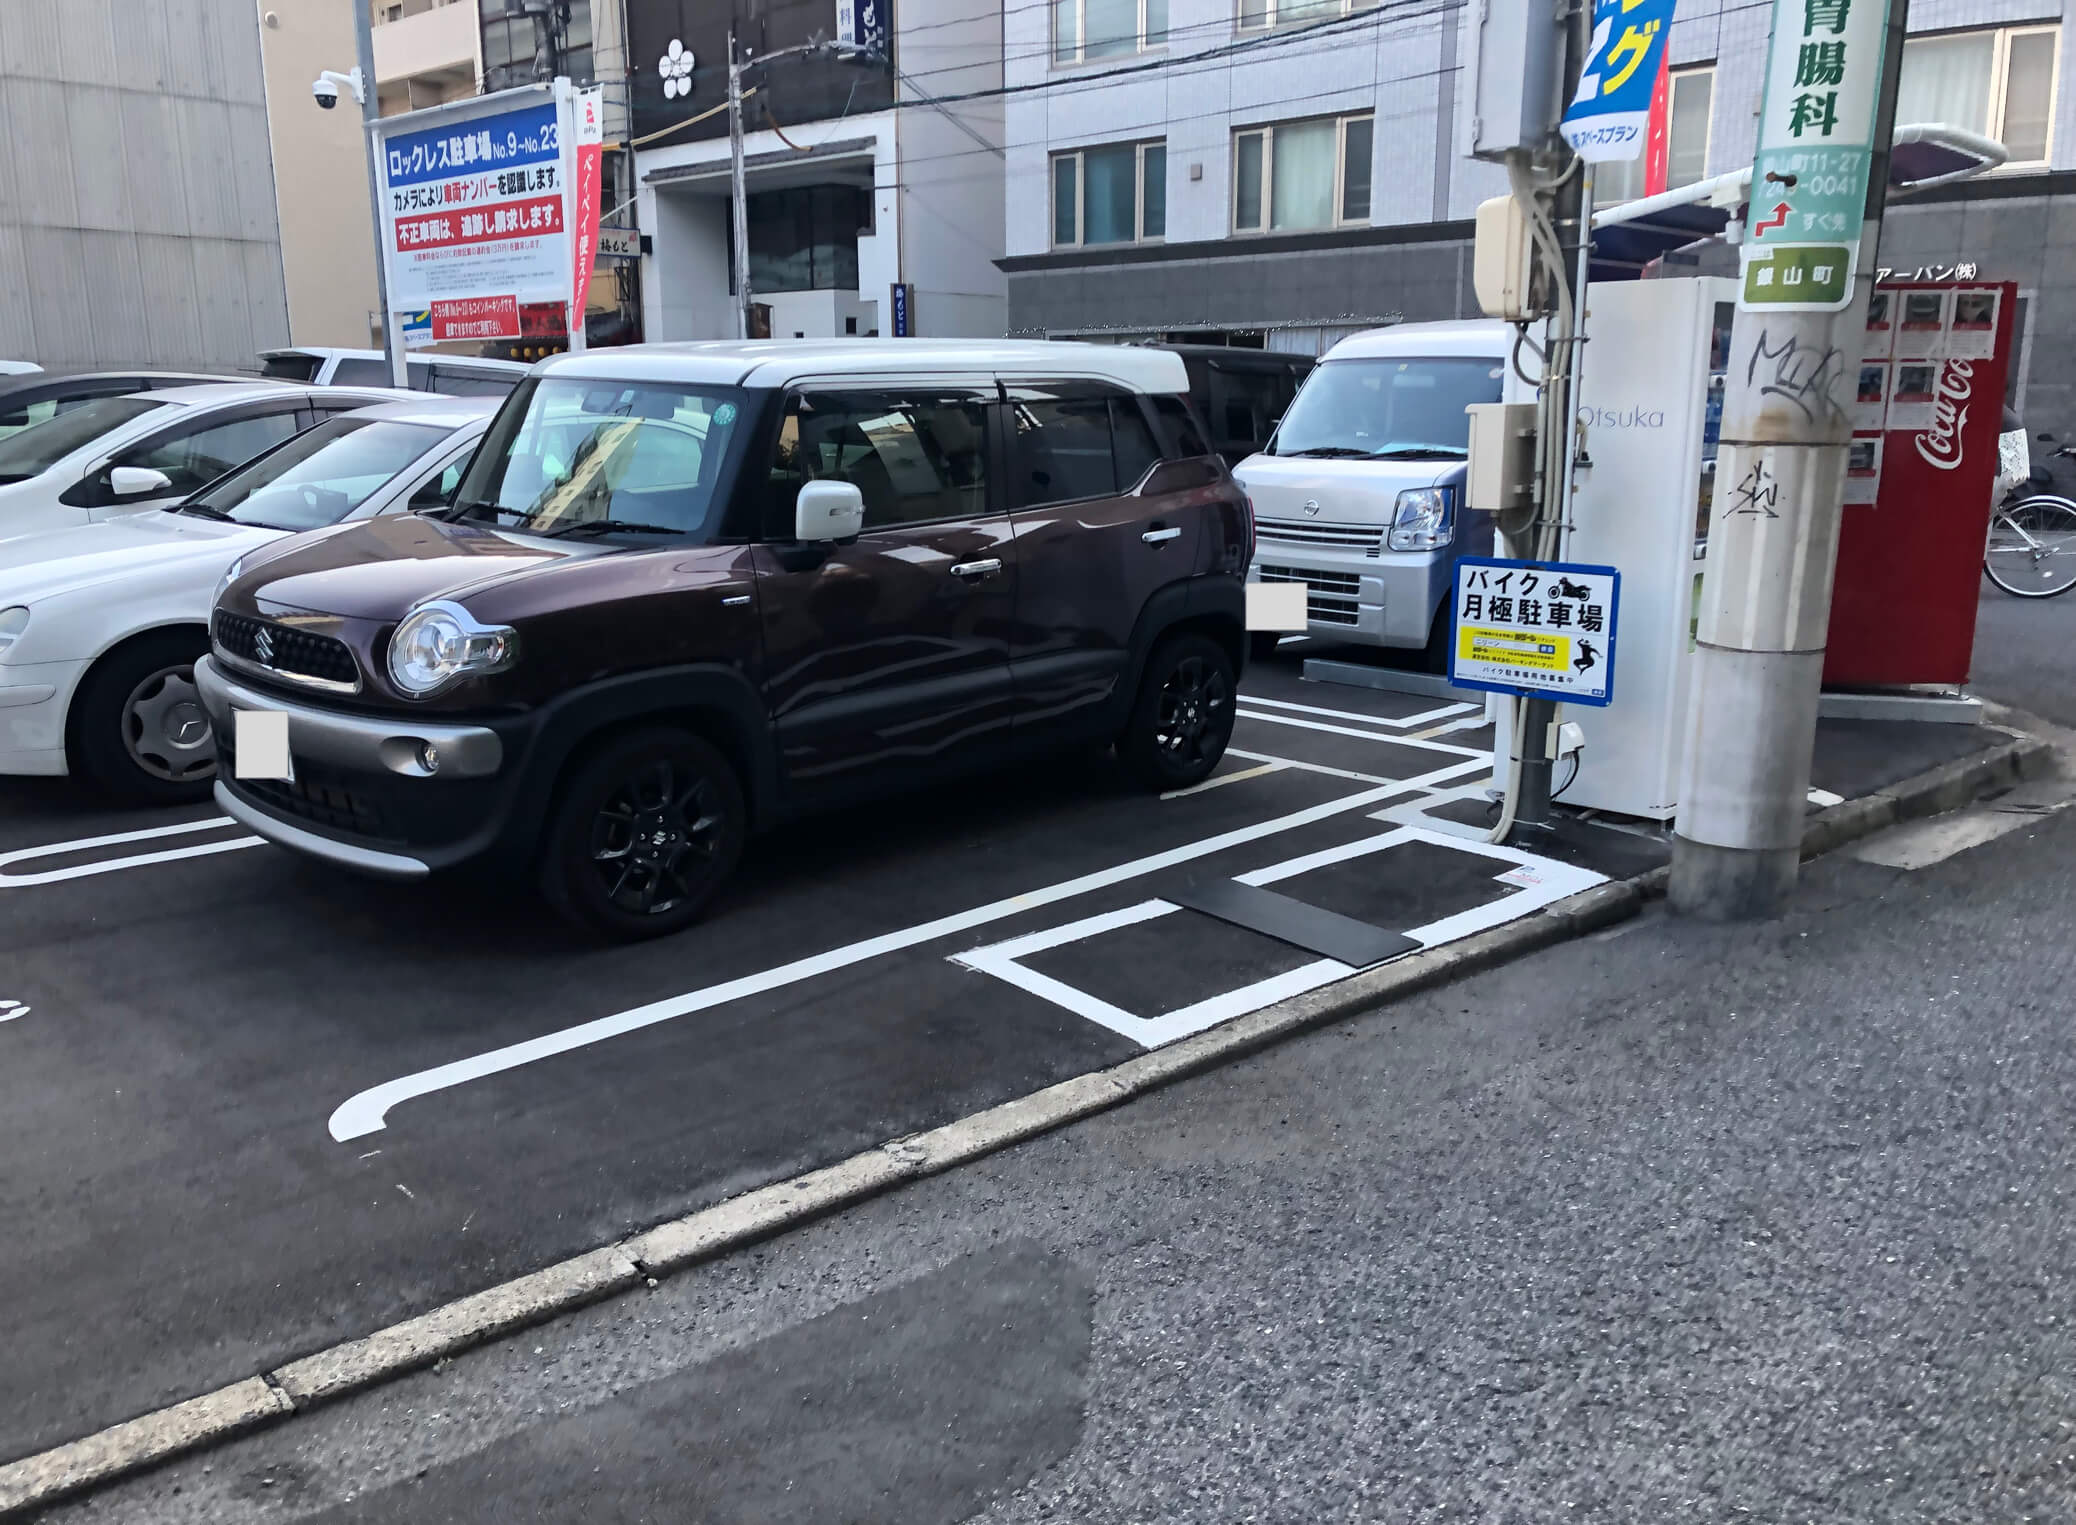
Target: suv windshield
[319,477]
[1406,408]
[636,457]
[39,447]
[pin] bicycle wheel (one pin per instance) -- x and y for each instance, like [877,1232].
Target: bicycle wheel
[2032,547]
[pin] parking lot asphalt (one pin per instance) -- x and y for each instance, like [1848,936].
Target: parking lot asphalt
[252,1108]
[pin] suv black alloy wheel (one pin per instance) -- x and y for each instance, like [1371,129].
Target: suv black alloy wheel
[644,834]
[1184,714]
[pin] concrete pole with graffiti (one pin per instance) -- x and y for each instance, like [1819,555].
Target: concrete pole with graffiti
[1817,194]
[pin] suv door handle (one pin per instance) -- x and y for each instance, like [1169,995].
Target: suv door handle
[1159,536]
[976,569]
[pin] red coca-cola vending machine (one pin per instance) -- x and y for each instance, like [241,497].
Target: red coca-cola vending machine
[1927,410]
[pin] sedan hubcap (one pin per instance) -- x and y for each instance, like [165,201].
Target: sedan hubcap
[166,730]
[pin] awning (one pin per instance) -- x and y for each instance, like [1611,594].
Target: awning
[1628,237]
[774,167]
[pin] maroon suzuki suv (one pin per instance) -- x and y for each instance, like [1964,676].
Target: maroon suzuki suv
[687,591]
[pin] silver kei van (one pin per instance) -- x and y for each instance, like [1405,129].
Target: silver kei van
[1359,494]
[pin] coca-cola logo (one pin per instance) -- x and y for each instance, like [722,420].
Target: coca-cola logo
[1941,444]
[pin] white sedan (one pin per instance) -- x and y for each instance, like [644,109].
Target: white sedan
[122,455]
[100,625]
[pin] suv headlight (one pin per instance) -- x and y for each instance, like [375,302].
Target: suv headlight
[12,623]
[441,642]
[1423,520]
[223,583]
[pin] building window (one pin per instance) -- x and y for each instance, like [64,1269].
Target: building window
[1302,174]
[805,238]
[1085,30]
[2000,83]
[1686,148]
[1117,194]
[1256,15]
[527,43]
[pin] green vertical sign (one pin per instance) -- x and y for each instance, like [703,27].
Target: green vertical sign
[1816,149]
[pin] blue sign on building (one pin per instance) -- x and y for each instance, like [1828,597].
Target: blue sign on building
[902,298]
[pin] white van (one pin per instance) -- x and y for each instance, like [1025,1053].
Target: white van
[1359,494]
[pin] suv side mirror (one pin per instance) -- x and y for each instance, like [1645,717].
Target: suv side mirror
[138,482]
[827,511]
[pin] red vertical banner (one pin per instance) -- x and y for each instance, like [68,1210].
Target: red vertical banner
[1658,131]
[1927,406]
[590,146]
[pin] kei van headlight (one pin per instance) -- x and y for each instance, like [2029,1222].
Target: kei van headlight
[1423,521]
[223,583]
[12,623]
[441,642]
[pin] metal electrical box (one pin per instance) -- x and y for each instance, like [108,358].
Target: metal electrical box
[1501,475]
[1503,261]
[1516,72]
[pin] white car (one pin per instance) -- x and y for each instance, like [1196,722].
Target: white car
[121,455]
[100,625]
[455,375]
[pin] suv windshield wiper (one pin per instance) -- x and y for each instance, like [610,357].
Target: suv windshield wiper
[1326,452]
[607,527]
[203,510]
[1420,453]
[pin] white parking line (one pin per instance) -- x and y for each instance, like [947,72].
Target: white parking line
[11,880]
[368,1111]
[1536,881]
[1397,722]
[1378,736]
[1273,766]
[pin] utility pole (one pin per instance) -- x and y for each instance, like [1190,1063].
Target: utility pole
[370,115]
[1570,211]
[738,193]
[1809,267]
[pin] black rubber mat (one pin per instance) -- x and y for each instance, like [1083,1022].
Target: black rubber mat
[1326,933]
[1409,885]
[1152,968]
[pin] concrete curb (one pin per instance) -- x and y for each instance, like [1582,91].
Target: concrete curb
[355,1365]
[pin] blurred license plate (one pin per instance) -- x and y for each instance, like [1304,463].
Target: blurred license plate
[261,743]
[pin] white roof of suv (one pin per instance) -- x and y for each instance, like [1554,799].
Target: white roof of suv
[775,362]
[1480,337]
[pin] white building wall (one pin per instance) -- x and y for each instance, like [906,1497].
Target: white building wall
[137,214]
[1404,68]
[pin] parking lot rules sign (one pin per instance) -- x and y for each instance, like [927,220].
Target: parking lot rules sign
[1543,628]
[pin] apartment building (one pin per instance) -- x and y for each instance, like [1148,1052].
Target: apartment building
[1280,172]
[857,183]
[137,216]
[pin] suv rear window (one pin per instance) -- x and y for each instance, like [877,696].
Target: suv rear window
[1185,439]
[289,367]
[1072,443]
[360,373]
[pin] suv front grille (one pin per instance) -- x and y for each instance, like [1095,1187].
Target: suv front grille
[315,794]
[1369,539]
[1331,598]
[294,654]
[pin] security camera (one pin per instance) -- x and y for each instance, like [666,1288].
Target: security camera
[326,87]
